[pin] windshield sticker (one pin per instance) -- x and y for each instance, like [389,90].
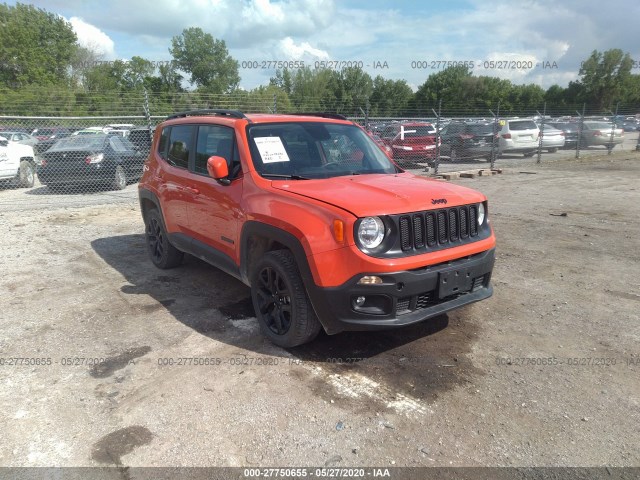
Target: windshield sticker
[271,149]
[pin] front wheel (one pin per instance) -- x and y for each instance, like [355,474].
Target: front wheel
[26,174]
[280,300]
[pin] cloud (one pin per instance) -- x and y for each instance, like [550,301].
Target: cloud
[296,52]
[94,39]
[545,30]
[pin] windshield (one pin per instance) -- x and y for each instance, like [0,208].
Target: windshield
[85,142]
[315,150]
[481,129]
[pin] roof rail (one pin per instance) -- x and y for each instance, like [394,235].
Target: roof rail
[336,116]
[217,111]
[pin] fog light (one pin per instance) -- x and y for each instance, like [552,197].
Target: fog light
[360,301]
[370,280]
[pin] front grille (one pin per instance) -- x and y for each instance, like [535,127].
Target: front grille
[432,228]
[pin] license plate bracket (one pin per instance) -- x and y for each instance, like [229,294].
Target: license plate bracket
[454,281]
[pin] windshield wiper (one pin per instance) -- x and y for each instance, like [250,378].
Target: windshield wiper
[287,177]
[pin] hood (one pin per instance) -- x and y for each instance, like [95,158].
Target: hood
[365,195]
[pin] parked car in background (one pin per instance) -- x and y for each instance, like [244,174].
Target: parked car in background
[628,125]
[466,139]
[17,163]
[50,133]
[552,138]
[19,137]
[411,142]
[91,159]
[570,130]
[518,135]
[140,138]
[601,134]
[90,131]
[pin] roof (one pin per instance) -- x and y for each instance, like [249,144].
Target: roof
[232,115]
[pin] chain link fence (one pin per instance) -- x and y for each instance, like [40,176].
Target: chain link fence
[99,158]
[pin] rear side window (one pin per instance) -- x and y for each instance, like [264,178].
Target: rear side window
[522,125]
[180,145]
[164,141]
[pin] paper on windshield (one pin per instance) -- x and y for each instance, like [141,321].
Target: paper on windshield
[271,149]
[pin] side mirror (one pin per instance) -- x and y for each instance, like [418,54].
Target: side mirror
[217,168]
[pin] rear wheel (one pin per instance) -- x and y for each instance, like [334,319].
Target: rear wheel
[280,300]
[120,178]
[552,150]
[529,154]
[162,253]
[26,174]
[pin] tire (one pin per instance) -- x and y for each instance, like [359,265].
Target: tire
[163,255]
[26,174]
[119,178]
[552,150]
[610,147]
[280,300]
[528,154]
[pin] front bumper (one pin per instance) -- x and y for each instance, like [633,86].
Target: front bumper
[404,297]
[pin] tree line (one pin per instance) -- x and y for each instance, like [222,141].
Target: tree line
[43,70]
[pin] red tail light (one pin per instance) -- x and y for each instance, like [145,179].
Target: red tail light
[597,133]
[506,135]
[43,163]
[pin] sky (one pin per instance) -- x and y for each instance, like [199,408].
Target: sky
[528,41]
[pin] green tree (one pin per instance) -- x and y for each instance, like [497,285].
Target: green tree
[604,77]
[36,47]
[350,89]
[206,60]
[447,85]
[310,90]
[283,80]
[389,97]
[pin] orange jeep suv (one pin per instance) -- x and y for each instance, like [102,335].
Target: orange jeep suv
[313,216]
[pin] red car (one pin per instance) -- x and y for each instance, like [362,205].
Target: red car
[411,142]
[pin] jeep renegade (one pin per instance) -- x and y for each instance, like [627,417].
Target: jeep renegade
[316,219]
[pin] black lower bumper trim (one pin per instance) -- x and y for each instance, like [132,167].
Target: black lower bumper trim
[404,297]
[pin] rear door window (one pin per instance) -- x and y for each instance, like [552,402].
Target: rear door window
[522,125]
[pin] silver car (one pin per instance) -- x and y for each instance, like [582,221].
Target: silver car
[19,137]
[600,133]
[552,138]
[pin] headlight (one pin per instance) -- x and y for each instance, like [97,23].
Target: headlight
[481,214]
[371,232]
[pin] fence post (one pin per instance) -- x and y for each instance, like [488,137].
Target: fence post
[541,136]
[495,135]
[613,128]
[580,126]
[275,103]
[437,159]
[147,114]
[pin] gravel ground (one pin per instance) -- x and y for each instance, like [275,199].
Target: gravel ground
[545,373]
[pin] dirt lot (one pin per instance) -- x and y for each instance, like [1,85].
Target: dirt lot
[543,373]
